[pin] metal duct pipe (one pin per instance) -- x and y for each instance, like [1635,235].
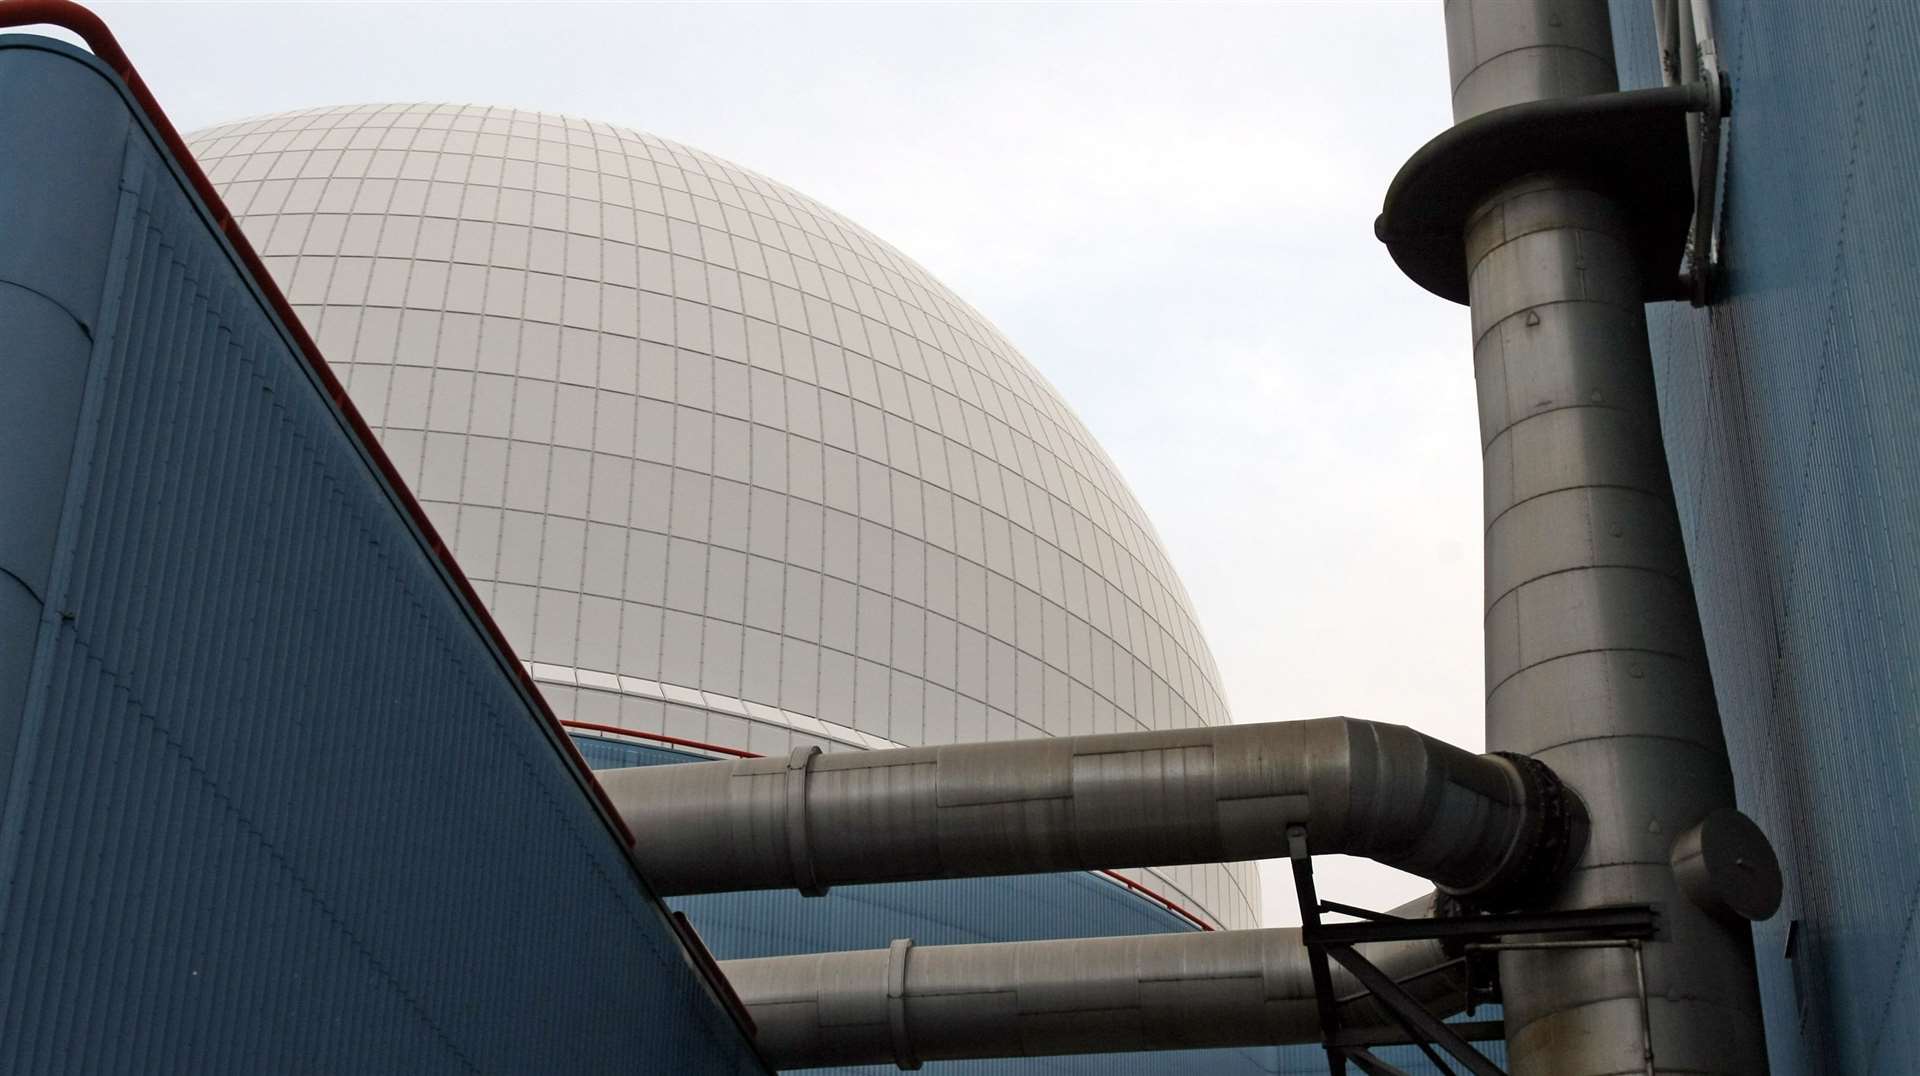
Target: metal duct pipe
[1595,663]
[907,1004]
[1482,827]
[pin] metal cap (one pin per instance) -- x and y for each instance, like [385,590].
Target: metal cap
[1726,865]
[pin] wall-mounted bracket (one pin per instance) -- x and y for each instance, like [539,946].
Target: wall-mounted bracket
[1703,247]
[1316,958]
[1638,145]
[1688,56]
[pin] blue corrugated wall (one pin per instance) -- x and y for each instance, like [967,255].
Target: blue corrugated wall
[1792,417]
[1018,908]
[270,800]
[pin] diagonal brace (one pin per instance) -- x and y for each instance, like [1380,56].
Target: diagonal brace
[1405,1008]
[1372,1065]
[1316,955]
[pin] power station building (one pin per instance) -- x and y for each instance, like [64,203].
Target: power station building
[725,466]
[368,480]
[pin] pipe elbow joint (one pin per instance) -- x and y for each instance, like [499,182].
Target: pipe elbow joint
[1548,838]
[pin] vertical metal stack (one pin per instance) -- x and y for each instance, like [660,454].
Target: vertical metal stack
[1594,658]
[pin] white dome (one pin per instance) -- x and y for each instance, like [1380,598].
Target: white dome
[723,465]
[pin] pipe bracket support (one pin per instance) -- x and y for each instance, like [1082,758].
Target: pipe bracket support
[903,1054]
[799,849]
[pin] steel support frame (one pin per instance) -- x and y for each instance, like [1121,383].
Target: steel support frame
[1624,925]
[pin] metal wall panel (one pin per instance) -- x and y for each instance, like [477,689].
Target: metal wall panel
[1791,410]
[273,800]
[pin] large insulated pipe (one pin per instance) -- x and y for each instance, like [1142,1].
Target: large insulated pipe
[1486,828]
[907,1004]
[1595,663]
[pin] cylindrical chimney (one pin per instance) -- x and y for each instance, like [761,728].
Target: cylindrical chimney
[1595,663]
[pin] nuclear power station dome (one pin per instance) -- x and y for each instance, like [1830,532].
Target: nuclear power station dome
[668,629]
[724,465]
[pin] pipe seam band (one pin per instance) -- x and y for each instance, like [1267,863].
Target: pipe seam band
[799,850]
[903,1055]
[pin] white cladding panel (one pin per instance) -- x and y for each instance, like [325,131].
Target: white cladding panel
[723,464]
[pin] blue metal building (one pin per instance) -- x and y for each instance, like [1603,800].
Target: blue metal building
[1791,412]
[276,796]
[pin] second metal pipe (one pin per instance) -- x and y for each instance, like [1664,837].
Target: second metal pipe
[1480,826]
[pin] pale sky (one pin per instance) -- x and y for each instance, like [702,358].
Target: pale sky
[1168,209]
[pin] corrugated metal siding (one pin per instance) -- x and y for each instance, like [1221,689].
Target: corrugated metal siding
[1792,417]
[1027,907]
[277,804]
[1312,1060]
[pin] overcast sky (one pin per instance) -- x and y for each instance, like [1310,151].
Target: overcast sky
[1168,209]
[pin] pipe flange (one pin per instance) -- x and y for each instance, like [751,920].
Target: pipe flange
[1552,835]
[799,842]
[904,1056]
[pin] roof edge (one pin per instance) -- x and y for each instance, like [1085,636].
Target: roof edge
[112,63]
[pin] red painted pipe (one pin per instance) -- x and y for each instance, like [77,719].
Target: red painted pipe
[658,737]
